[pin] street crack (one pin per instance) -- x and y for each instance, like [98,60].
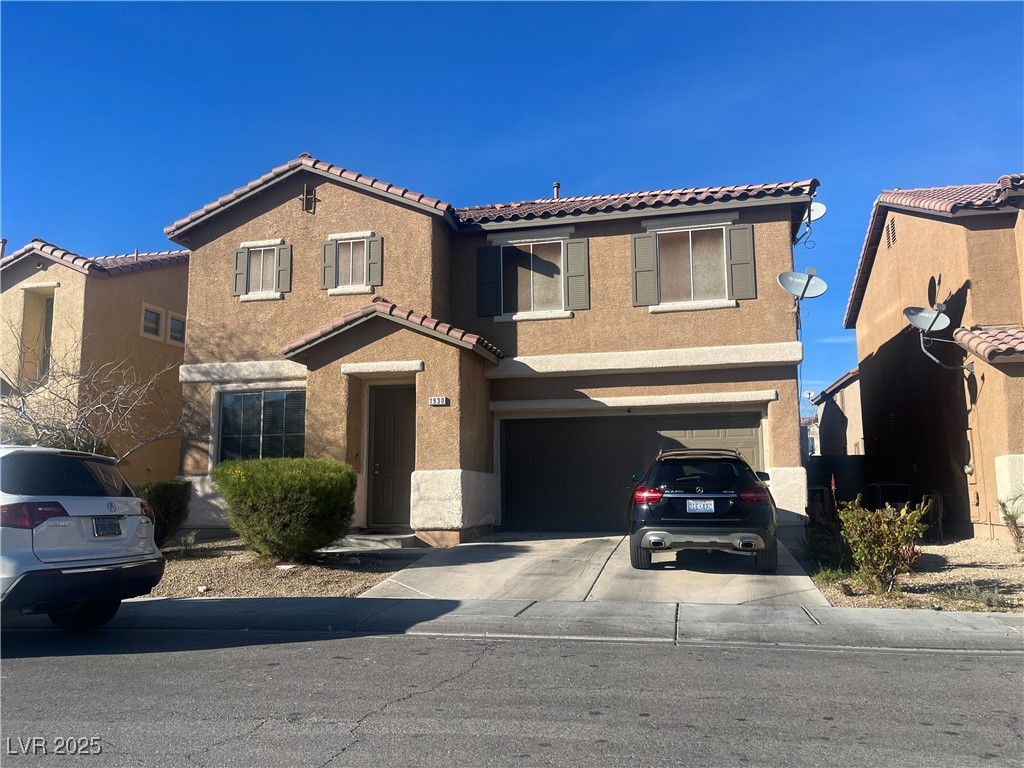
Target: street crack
[398,700]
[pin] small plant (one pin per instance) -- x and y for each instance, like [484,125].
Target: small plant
[987,597]
[169,500]
[186,544]
[288,508]
[883,542]
[1012,511]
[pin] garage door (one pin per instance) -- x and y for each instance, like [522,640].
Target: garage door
[576,474]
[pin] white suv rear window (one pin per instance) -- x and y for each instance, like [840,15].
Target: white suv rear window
[53,474]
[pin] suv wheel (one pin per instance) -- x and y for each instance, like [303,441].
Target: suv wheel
[767,560]
[640,558]
[92,614]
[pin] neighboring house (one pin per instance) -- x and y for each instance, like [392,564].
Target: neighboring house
[929,427]
[505,365]
[69,315]
[840,427]
[810,444]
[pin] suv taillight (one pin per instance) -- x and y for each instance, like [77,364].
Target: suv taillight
[148,512]
[758,495]
[643,495]
[30,514]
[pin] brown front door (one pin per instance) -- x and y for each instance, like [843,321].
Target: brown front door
[393,454]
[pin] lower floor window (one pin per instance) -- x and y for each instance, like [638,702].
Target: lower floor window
[263,425]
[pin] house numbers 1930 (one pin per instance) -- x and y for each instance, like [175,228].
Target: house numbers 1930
[438,401]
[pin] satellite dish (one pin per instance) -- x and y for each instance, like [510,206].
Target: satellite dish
[816,211]
[808,394]
[803,286]
[926,319]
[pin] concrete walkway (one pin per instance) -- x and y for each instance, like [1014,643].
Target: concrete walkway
[577,569]
[262,620]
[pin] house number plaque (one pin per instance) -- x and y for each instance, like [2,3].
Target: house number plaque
[438,401]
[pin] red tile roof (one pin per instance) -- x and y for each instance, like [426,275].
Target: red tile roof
[520,211]
[994,345]
[1007,191]
[305,161]
[565,206]
[383,307]
[103,266]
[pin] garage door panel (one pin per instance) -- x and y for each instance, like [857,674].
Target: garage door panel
[575,474]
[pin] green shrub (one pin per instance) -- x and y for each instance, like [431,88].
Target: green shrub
[1013,510]
[883,541]
[169,500]
[287,507]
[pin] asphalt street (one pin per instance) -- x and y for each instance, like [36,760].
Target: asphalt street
[253,697]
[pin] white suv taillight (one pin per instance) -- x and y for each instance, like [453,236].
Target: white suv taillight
[147,511]
[29,514]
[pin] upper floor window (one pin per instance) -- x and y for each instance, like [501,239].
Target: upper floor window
[263,270]
[694,268]
[531,277]
[176,328]
[546,279]
[262,425]
[352,263]
[152,322]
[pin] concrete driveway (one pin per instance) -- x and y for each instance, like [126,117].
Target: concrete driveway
[580,568]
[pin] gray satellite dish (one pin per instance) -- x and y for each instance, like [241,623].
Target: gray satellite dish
[803,286]
[926,320]
[816,211]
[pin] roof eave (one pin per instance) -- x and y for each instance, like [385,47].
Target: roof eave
[174,233]
[641,211]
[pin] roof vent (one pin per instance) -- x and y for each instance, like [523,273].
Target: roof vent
[554,188]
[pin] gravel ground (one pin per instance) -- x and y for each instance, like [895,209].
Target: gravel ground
[968,575]
[226,568]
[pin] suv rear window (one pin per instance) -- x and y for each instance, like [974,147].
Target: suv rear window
[712,475]
[51,474]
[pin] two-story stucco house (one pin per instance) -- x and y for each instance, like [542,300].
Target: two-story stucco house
[86,319]
[499,366]
[931,425]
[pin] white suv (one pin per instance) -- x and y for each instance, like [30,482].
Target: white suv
[74,539]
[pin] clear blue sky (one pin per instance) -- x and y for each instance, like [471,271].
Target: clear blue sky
[119,118]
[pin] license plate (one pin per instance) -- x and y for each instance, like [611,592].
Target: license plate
[700,505]
[106,526]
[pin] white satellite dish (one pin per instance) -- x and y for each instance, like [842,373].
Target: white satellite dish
[803,286]
[816,211]
[927,320]
[808,394]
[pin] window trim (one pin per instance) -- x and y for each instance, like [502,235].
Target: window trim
[159,336]
[171,316]
[350,287]
[692,304]
[531,313]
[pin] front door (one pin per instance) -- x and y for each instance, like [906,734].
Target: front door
[393,454]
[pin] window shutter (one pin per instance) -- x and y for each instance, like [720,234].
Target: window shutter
[645,270]
[329,265]
[375,261]
[577,274]
[238,287]
[488,281]
[283,278]
[739,242]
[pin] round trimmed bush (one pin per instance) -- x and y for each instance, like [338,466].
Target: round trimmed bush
[169,500]
[287,507]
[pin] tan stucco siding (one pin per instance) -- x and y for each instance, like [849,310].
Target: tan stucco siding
[21,313]
[922,422]
[223,328]
[994,269]
[113,318]
[613,323]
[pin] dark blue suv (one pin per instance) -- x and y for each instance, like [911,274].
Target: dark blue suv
[702,499]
